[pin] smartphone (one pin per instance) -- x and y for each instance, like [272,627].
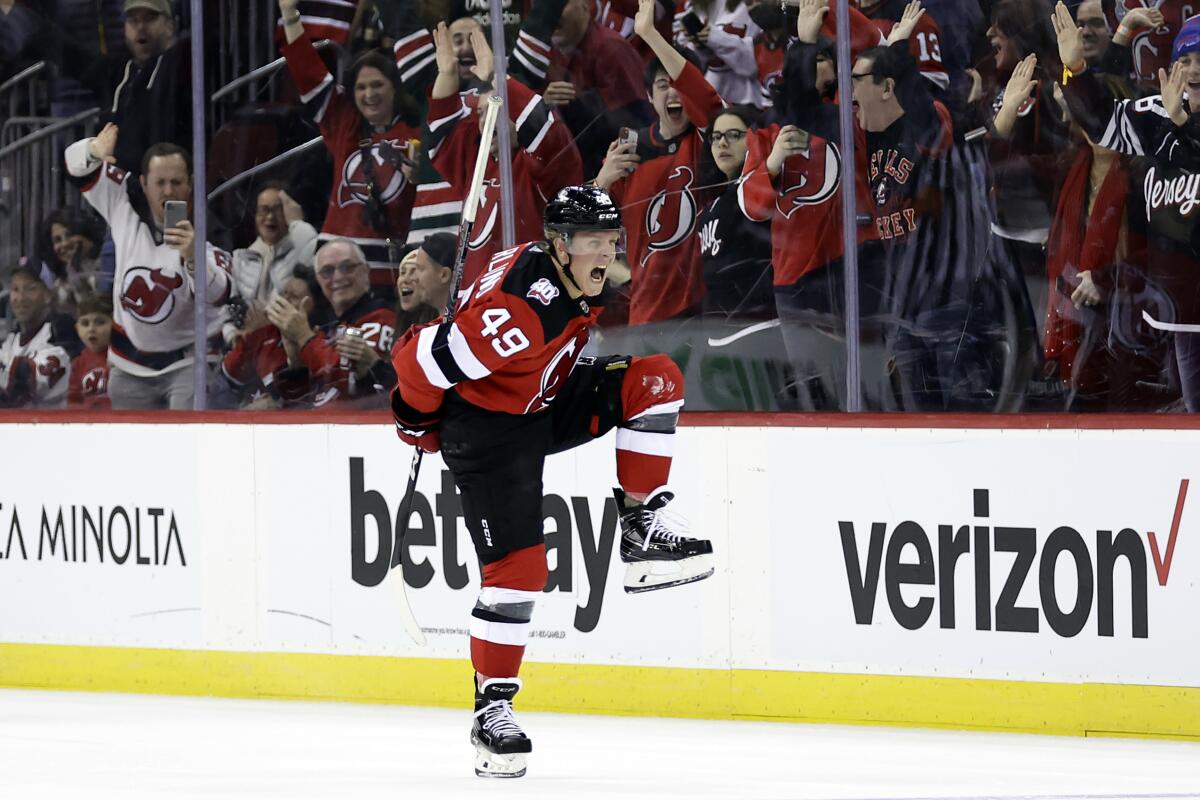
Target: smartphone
[174,212]
[628,136]
[692,23]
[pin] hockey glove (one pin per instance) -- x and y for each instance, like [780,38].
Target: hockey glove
[418,428]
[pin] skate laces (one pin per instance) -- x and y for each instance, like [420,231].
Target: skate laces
[668,527]
[499,720]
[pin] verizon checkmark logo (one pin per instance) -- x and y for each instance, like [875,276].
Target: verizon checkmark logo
[1162,563]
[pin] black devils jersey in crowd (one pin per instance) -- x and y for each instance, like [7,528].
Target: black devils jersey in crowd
[1168,180]
[515,340]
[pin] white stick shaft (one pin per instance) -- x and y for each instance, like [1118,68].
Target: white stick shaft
[490,115]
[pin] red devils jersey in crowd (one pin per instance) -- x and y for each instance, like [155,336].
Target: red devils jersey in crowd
[1152,47]
[512,345]
[88,387]
[328,377]
[344,130]
[924,43]
[256,362]
[660,203]
[803,204]
[322,19]
[545,162]
[769,55]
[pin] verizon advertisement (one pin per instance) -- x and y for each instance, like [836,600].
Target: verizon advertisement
[1062,556]
[1042,555]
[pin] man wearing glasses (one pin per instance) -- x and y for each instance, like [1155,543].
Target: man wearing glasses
[346,356]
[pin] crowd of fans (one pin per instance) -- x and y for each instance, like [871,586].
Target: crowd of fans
[1025,176]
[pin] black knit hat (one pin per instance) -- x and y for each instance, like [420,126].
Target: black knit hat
[440,247]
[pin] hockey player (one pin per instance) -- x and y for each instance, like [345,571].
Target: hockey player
[153,289]
[372,144]
[503,386]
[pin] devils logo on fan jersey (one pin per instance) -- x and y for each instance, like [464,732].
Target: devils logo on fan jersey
[811,178]
[52,369]
[671,215]
[149,294]
[389,179]
[95,382]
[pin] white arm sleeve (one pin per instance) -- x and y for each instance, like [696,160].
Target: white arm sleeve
[105,183]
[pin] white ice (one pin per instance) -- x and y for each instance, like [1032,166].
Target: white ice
[99,746]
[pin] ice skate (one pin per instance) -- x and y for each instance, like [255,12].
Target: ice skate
[655,548]
[500,744]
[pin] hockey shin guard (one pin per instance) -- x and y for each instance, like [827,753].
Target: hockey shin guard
[651,396]
[502,615]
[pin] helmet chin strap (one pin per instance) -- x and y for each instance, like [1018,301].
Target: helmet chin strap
[566,265]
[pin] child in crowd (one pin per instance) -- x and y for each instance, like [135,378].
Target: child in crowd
[88,386]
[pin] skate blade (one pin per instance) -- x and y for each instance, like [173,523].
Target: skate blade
[498,765]
[648,576]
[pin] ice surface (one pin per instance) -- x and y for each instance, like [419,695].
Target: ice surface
[99,746]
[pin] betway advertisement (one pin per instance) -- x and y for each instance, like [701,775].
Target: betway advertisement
[1045,555]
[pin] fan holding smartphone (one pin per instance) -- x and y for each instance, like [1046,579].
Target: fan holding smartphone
[178,232]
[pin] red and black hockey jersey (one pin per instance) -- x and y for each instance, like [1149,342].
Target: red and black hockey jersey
[256,362]
[327,376]
[803,204]
[355,166]
[546,160]
[88,386]
[660,204]
[516,338]
[925,43]
[1152,47]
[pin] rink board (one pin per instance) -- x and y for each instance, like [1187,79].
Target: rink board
[960,577]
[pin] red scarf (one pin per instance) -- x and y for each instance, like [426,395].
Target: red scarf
[1079,243]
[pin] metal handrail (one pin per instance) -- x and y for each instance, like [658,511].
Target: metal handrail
[243,177]
[24,74]
[264,70]
[48,131]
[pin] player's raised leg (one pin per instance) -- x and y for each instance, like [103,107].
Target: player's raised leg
[654,541]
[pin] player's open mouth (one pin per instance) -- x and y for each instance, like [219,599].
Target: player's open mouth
[597,274]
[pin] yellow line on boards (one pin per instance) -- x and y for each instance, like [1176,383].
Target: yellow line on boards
[959,703]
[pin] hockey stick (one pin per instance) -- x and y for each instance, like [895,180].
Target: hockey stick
[470,207]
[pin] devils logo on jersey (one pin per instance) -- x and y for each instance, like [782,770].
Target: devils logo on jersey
[149,294]
[95,382]
[556,371]
[389,179]
[811,178]
[671,215]
[52,369]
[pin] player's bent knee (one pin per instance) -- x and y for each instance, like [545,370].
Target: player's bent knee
[653,387]
[523,569]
